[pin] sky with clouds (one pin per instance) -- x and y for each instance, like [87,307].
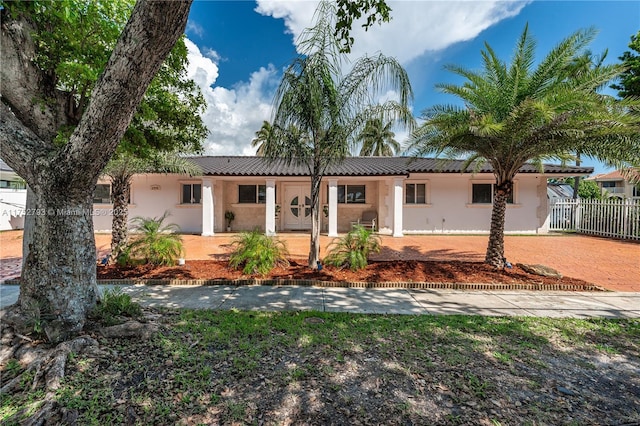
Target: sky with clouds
[238,49]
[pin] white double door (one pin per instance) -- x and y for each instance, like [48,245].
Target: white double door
[297,207]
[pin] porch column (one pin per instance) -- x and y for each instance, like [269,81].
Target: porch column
[270,214]
[207,207]
[397,206]
[333,207]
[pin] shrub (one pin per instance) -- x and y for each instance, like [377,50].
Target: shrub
[156,244]
[256,253]
[113,304]
[353,249]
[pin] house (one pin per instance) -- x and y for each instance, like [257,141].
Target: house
[409,196]
[618,183]
[13,198]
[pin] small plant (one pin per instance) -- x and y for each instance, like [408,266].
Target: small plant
[229,216]
[156,244]
[113,304]
[257,253]
[353,249]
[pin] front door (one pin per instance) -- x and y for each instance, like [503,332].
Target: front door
[297,207]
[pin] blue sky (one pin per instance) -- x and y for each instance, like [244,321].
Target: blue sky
[238,49]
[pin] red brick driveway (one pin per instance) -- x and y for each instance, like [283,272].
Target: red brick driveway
[609,263]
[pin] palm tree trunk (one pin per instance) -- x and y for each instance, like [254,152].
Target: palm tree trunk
[119,231]
[314,249]
[495,249]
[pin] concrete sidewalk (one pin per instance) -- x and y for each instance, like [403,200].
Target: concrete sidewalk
[380,301]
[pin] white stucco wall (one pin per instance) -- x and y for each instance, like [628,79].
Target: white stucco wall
[148,202]
[12,204]
[449,208]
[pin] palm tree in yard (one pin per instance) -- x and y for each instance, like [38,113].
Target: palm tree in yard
[121,169]
[263,137]
[378,139]
[519,113]
[325,109]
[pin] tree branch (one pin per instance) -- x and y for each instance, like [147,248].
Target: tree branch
[148,37]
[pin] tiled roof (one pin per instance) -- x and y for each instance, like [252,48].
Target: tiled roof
[615,175]
[357,166]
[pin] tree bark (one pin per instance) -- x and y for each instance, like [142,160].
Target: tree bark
[59,271]
[495,248]
[120,190]
[314,249]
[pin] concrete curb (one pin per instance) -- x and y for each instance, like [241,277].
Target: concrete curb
[343,284]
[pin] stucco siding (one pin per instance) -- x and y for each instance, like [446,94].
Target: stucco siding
[449,207]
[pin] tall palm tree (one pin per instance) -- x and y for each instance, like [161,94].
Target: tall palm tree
[120,170]
[378,139]
[328,108]
[263,137]
[521,113]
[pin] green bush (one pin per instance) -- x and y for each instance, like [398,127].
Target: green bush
[256,253]
[156,243]
[113,304]
[353,249]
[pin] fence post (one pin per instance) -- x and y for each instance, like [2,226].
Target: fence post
[578,210]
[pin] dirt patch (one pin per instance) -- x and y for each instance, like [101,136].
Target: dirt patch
[396,271]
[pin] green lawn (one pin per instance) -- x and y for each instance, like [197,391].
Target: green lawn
[208,367]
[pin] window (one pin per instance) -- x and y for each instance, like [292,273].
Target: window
[191,193]
[636,191]
[350,194]
[482,193]
[13,184]
[415,193]
[609,184]
[102,194]
[252,194]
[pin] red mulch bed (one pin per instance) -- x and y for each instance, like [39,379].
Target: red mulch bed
[377,271]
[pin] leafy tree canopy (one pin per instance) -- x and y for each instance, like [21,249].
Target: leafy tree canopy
[74,40]
[630,78]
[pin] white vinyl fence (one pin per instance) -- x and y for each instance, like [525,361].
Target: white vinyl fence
[612,217]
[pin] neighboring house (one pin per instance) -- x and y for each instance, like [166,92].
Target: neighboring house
[559,191]
[13,198]
[418,196]
[618,184]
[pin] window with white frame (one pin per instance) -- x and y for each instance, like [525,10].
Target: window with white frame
[191,193]
[102,194]
[252,194]
[415,193]
[483,193]
[350,194]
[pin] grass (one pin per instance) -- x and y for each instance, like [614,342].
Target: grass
[233,366]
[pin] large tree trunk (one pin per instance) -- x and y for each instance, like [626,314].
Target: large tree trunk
[59,271]
[495,248]
[58,275]
[119,225]
[314,249]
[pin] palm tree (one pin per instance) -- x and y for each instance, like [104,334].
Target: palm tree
[519,113]
[577,67]
[378,139]
[120,170]
[318,111]
[263,137]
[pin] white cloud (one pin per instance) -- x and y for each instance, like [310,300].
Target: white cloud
[195,28]
[233,115]
[415,28]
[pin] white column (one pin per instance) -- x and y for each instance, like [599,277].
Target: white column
[270,214]
[397,206]
[333,207]
[207,207]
